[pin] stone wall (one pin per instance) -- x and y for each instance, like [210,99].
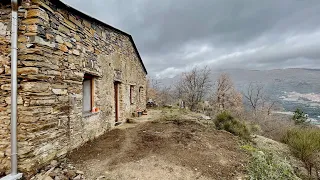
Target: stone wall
[57,46]
[4,87]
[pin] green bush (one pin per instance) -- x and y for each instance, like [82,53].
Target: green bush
[268,166]
[305,145]
[225,121]
[299,117]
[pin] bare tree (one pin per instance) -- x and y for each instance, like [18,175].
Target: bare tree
[255,96]
[226,97]
[152,89]
[160,94]
[155,84]
[271,105]
[194,86]
[224,85]
[165,96]
[259,101]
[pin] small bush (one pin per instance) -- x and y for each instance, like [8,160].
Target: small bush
[305,145]
[255,128]
[225,121]
[268,166]
[299,117]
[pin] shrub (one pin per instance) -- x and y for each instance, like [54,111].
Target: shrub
[272,126]
[305,145]
[225,121]
[268,166]
[299,117]
[255,128]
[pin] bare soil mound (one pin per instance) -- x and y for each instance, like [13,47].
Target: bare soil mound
[177,149]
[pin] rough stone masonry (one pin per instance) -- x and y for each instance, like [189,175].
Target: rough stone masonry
[59,47]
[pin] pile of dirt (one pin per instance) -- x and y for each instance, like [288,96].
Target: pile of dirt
[177,149]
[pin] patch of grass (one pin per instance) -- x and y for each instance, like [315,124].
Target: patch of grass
[169,115]
[304,143]
[184,111]
[268,166]
[249,148]
[225,121]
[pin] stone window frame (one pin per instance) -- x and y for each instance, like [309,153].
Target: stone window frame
[90,77]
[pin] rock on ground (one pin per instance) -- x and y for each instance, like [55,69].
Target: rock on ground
[59,171]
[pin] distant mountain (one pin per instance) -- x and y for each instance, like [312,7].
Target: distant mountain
[290,86]
[277,80]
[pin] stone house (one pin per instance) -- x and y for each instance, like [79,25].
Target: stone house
[77,77]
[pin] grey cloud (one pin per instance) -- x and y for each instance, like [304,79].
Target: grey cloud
[170,34]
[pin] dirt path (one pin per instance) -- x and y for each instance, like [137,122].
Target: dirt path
[177,149]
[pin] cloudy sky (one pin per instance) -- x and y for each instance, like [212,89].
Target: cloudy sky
[175,35]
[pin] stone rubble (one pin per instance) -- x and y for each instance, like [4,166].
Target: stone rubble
[59,171]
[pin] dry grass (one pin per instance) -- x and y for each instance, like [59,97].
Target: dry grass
[271,126]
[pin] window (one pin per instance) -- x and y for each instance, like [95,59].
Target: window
[88,93]
[131,94]
[140,93]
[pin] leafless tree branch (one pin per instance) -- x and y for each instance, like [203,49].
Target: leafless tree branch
[194,86]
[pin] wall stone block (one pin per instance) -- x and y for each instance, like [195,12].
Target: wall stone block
[31,13]
[35,86]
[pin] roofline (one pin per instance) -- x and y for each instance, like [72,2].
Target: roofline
[109,26]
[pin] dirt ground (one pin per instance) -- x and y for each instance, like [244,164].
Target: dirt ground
[162,149]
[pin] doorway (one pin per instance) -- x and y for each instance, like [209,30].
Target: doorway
[116,100]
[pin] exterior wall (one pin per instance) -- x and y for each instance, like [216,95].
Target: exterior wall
[56,49]
[4,87]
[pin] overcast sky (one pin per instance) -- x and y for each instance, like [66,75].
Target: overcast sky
[175,35]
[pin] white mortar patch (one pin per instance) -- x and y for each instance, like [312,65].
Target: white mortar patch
[3,29]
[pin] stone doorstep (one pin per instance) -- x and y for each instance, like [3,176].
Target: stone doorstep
[12,177]
[116,124]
